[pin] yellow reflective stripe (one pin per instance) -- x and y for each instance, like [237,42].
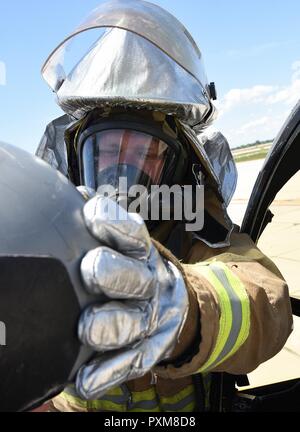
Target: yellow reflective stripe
[145,401]
[73,400]
[103,405]
[146,395]
[178,396]
[235,312]
[94,405]
[117,391]
[179,402]
[241,292]
[225,319]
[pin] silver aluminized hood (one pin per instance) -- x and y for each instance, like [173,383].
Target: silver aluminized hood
[140,57]
[212,150]
[223,165]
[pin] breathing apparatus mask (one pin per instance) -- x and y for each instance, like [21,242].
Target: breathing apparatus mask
[122,153]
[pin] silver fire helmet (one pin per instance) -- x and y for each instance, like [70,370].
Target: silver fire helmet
[135,55]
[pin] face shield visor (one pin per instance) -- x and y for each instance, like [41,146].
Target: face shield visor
[131,53]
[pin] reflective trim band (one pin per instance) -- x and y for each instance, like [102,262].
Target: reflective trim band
[113,400]
[105,405]
[179,406]
[178,396]
[188,408]
[116,400]
[72,400]
[235,313]
[145,401]
[145,405]
[180,401]
[115,395]
[146,395]
[95,405]
[244,303]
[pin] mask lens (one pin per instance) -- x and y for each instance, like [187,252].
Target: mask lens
[111,154]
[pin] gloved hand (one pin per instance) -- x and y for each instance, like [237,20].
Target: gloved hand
[140,324]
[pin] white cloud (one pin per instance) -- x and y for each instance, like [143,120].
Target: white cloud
[249,127]
[2,74]
[258,112]
[263,128]
[255,94]
[290,94]
[265,94]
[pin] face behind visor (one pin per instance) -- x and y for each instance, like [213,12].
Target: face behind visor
[111,154]
[118,154]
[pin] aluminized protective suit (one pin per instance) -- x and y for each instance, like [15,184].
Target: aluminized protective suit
[224,307]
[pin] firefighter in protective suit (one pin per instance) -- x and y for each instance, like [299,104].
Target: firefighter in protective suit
[186,310]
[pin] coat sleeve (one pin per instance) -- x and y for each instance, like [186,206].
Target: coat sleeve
[240,303]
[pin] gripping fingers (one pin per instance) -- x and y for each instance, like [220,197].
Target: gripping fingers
[114,325]
[117,276]
[114,368]
[107,372]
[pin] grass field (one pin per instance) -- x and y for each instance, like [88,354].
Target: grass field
[251,153]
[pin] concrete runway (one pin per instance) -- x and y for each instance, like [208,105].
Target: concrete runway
[281,242]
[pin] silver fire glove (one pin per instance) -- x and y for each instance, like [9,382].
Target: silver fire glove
[139,326]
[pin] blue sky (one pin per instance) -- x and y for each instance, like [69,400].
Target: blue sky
[251,50]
